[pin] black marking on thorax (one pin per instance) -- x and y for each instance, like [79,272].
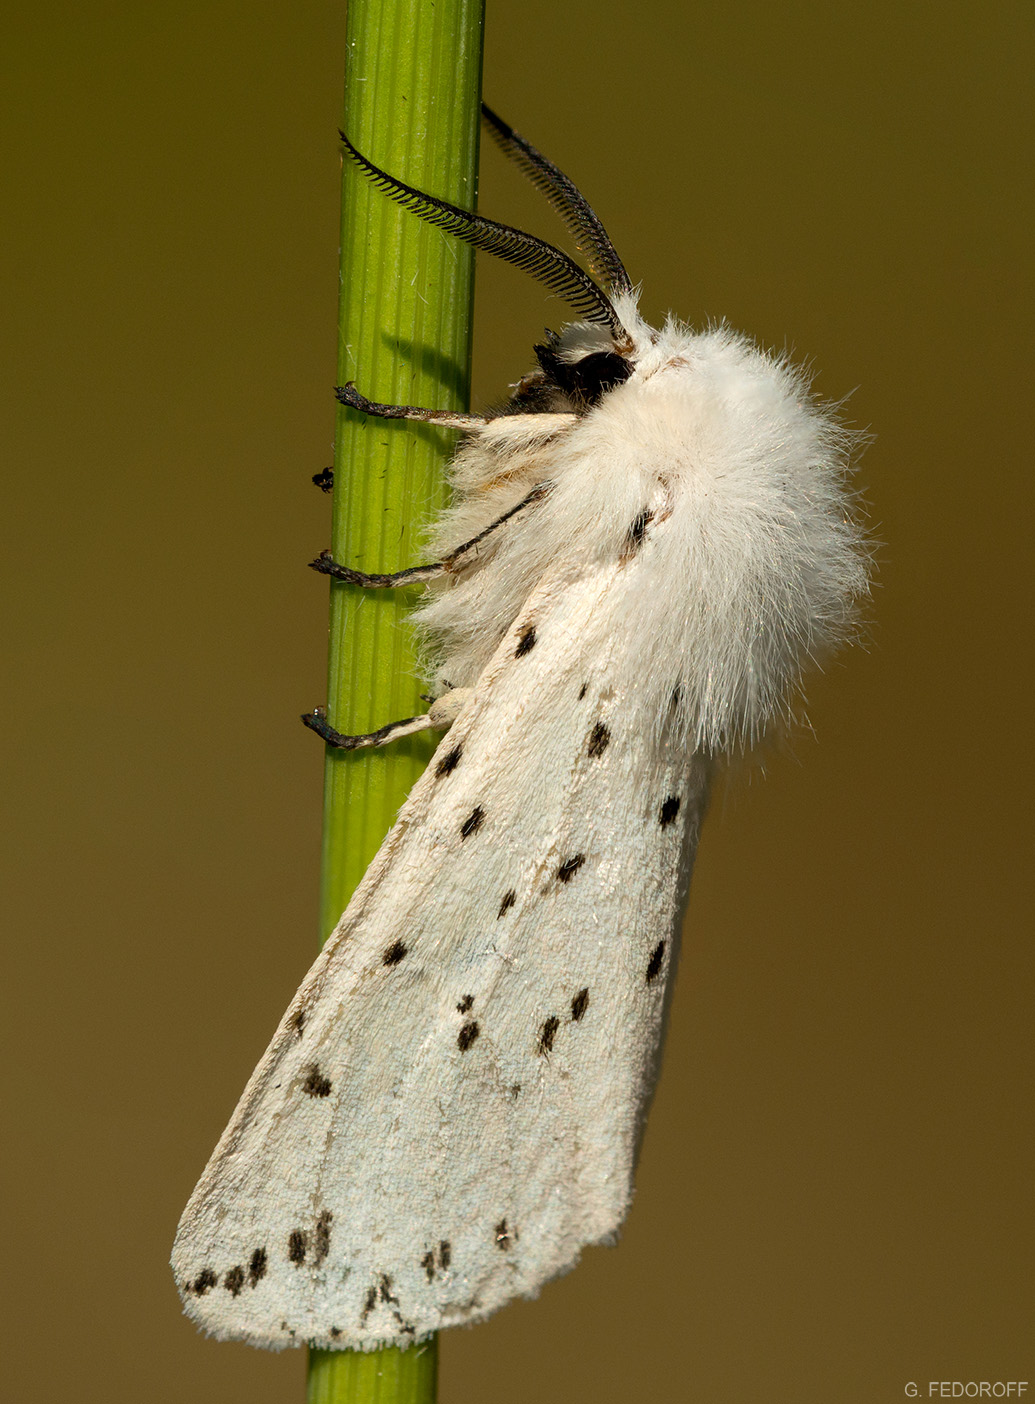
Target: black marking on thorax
[599,740]
[636,533]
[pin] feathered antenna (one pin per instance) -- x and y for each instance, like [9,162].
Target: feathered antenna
[590,236]
[547,264]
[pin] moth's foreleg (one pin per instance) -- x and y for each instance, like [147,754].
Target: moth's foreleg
[419,575]
[442,714]
[393,731]
[350,396]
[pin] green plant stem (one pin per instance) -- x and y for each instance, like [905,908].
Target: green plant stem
[412,93]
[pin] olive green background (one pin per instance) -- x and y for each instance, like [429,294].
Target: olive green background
[835,1195]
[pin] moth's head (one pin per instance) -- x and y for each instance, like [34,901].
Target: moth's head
[584,362]
[587,360]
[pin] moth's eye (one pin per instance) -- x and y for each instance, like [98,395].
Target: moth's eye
[589,379]
[594,375]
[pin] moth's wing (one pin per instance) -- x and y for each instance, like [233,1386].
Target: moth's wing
[450,1109]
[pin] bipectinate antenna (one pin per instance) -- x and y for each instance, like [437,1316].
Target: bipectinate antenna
[590,236]
[547,264]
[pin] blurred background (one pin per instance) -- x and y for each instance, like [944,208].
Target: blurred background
[835,1191]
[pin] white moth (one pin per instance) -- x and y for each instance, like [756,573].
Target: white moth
[658,538]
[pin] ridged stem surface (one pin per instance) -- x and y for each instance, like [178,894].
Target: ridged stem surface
[412,93]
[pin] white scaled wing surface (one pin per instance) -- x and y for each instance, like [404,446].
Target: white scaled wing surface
[450,1110]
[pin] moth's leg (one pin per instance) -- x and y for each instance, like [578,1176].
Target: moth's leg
[548,421]
[442,714]
[417,575]
[325,564]
[349,395]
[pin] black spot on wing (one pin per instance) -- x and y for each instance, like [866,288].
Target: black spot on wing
[547,1034]
[504,1236]
[570,867]
[204,1280]
[429,1264]
[579,1005]
[599,740]
[382,1291]
[583,690]
[315,1083]
[465,1004]
[657,955]
[526,641]
[298,1242]
[394,953]
[335,1332]
[257,1267]
[668,811]
[509,898]
[322,1237]
[472,823]
[234,1280]
[467,1035]
[449,761]
[297,1021]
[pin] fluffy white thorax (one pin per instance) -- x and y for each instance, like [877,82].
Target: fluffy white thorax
[759,558]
